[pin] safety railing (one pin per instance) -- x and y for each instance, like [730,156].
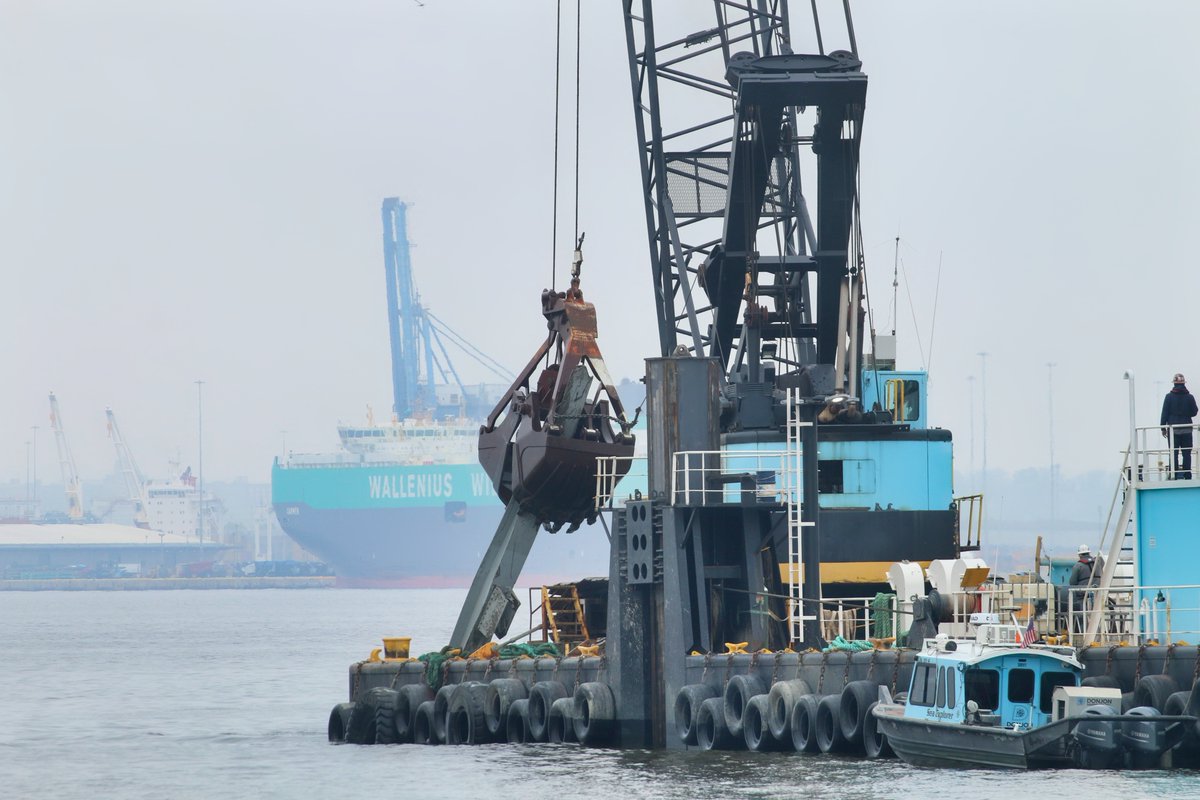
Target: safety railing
[861,618]
[609,472]
[970,521]
[730,477]
[1164,453]
[1136,614]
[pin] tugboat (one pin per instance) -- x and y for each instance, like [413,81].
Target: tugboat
[1001,700]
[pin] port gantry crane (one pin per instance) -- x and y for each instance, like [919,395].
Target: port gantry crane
[66,462]
[418,336]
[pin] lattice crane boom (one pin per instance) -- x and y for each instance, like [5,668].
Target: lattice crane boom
[66,462]
[135,482]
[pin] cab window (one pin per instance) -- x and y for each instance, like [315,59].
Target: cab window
[983,686]
[1020,685]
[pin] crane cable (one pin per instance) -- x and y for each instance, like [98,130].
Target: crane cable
[578,48]
[557,81]
[557,108]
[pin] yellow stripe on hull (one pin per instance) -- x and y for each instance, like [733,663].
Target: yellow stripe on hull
[844,571]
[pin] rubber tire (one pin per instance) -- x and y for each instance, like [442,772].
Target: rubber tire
[516,727]
[1176,705]
[804,724]
[339,722]
[560,727]
[756,730]
[361,727]
[594,714]
[687,710]
[541,697]
[465,722]
[1153,690]
[441,710]
[383,704]
[857,697]
[781,699]
[500,695]
[711,731]
[1101,682]
[1127,702]
[407,703]
[829,729]
[738,692]
[422,725]
[875,743]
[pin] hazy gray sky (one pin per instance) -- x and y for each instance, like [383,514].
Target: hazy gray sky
[191,190]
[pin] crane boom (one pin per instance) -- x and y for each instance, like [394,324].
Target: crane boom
[135,483]
[66,461]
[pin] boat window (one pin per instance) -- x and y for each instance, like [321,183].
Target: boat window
[903,399]
[983,686]
[1049,681]
[1020,685]
[950,687]
[922,692]
[829,477]
[941,687]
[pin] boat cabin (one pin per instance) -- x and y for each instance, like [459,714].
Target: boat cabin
[1011,686]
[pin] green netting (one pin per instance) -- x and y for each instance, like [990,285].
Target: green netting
[433,665]
[881,615]
[531,649]
[435,660]
[845,644]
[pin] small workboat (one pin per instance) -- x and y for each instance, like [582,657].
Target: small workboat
[1000,700]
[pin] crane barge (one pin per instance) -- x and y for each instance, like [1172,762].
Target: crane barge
[792,468]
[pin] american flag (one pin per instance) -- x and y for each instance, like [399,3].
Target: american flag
[1029,635]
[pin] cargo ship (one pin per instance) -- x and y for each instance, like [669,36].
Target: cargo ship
[406,503]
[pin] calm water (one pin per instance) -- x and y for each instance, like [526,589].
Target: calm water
[226,694]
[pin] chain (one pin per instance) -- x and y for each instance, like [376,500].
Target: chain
[1167,660]
[775,670]
[895,673]
[871,668]
[846,674]
[487,671]
[357,680]
[1137,672]
[1108,662]
[708,660]
[821,677]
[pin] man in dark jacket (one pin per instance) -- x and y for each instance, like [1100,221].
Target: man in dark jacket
[1178,409]
[1081,576]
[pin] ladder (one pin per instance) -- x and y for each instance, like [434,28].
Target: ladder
[562,614]
[793,484]
[1121,550]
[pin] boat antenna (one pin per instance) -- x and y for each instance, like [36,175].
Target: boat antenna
[895,281]
[937,288]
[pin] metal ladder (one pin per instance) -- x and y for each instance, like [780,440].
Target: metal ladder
[1120,550]
[793,485]
[563,614]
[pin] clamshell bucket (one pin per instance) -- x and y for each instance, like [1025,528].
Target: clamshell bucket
[541,442]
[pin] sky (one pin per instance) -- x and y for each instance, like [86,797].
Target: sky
[190,191]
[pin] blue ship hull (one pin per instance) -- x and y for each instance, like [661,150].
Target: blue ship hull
[418,525]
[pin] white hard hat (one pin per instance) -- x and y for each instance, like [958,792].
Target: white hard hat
[1083,548]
